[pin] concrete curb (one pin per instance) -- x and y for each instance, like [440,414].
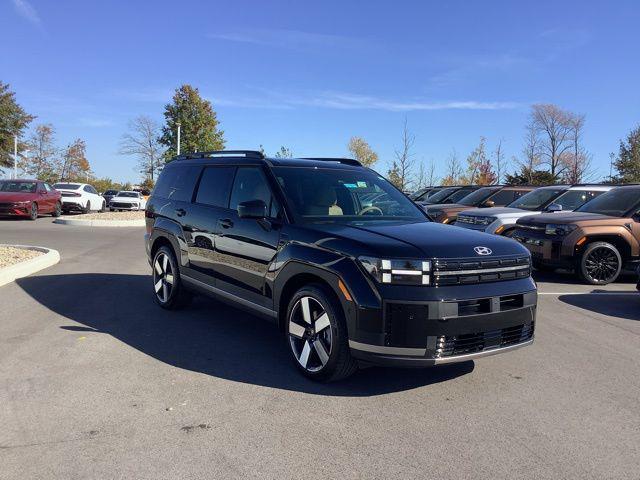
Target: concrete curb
[33,265]
[99,223]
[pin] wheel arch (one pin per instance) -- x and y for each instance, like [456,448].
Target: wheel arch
[618,241]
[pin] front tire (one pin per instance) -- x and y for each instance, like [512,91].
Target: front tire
[33,213]
[600,263]
[167,285]
[57,211]
[317,336]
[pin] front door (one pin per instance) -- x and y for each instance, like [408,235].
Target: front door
[245,248]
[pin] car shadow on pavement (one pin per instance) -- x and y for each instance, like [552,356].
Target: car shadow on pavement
[207,336]
[625,306]
[569,278]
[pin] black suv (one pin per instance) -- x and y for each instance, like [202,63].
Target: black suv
[348,267]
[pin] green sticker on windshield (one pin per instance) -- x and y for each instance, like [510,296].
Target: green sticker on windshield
[362,184]
[350,185]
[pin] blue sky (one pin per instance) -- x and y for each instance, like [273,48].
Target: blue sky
[309,75]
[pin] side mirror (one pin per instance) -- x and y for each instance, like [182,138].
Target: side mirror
[489,204]
[252,209]
[554,207]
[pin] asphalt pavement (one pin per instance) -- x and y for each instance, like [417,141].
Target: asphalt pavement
[96,381]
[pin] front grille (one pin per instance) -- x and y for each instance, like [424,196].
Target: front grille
[120,205]
[471,270]
[451,345]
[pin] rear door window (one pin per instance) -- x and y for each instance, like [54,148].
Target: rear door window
[503,197]
[215,186]
[573,199]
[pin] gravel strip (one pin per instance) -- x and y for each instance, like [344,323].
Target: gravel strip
[108,216]
[11,255]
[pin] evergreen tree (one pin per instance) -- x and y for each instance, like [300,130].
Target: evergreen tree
[526,176]
[627,164]
[13,121]
[199,124]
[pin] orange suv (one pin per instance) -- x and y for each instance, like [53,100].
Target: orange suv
[597,240]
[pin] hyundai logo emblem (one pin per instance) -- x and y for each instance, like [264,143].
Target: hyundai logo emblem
[483,250]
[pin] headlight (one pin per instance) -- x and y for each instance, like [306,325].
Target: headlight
[560,230]
[398,272]
[485,220]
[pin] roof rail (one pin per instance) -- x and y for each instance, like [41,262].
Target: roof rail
[221,153]
[346,161]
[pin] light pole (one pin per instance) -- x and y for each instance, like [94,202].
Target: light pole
[178,147]
[15,157]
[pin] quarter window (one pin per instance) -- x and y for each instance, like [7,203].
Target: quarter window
[177,183]
[215,185]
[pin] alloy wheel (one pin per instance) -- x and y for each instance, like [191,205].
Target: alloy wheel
[310,334]
[162,277]
[34,211]
[601,265]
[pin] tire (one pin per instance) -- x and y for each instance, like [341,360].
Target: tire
[316,335]
[600,263]
[104,207]
[87,209]
[57,211]
[112,210]
[33,213]
[167,284]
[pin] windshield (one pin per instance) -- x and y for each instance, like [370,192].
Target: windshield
[111,192]
[536,199]
[24,187]
[127,194]
[476,198]
[332,194]
[66,186]
[441,195]
[615,203]
[420,193]
[457,196]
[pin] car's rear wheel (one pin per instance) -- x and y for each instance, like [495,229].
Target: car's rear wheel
[600,263]
[87,208]
[33,211]
[57,211]
[167,285]
[104,207]
[317,335]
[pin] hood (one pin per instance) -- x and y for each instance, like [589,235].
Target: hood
[570,217]
[415,240]
[496,211]
[17,196]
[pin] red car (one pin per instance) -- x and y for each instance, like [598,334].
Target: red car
[28,198]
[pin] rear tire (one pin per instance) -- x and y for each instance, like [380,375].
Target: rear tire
[33,213]
[168,289]
[104,207]
[316,335]
[87,209]
[600,263]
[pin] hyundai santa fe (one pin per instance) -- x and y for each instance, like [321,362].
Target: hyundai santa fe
[349,269]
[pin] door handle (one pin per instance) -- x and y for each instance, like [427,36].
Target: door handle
[181,212]
[225,223]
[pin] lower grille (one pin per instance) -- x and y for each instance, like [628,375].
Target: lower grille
[448,346]
[120,205]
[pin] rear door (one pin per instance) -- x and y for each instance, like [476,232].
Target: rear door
[210,203]
[44,199]
[244,248]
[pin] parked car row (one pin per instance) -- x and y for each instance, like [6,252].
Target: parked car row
[592,229]
[31,198]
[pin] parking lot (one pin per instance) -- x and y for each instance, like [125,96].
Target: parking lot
[96,381]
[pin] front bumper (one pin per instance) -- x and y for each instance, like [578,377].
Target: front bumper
[15,210]
[550,251]
[426,333]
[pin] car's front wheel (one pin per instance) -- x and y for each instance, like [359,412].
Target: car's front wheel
[33,212]
[167,285]
[57,211]
[317,336]
[600,263]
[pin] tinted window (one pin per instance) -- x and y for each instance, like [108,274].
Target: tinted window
[477,197]
[47,187]
[441,195]
[503,197]
[177,183]
[251,184]
[66,186]
[575,198]
[26,187]
[111,192]
[457,196]
[215,185]
[536,199]
[129,194]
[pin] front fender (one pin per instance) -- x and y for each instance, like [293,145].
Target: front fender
[595,232]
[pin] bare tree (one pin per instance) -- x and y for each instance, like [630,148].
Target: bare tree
[501,165]
[431,174]
[453,170]
[404,162]
[43,155]
[554,129]
[577,161]
[142,142]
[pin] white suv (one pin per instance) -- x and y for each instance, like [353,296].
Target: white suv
[555,198]
[127,200]
[80,197]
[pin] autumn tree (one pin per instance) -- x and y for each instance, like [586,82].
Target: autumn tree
[553,128]
[74,165]
[199,124]
[453,169]
[43,157]
[499,161]
[142,142]
[479,168]
[362,151]
[627,163]
[13,121]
